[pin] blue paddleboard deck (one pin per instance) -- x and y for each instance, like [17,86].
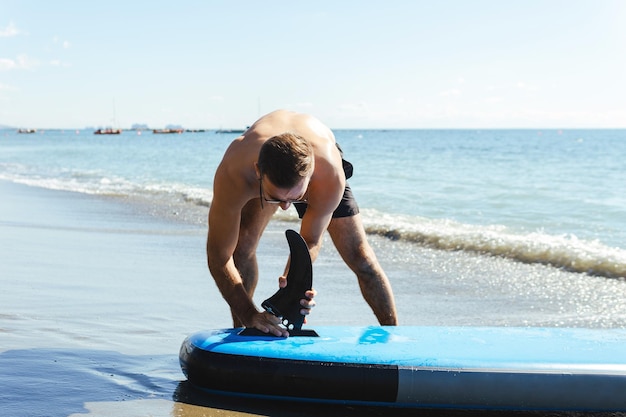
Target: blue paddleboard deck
[436,367]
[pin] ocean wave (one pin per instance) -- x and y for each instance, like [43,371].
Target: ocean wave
[563,251]
[96,183]
[566,251]
[86,182]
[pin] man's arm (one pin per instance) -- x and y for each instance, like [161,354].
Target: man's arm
[324,197]
[224,222]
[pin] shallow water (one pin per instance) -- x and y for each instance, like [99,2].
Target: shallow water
[98,293]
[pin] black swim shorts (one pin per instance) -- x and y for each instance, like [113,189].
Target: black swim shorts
[347,206]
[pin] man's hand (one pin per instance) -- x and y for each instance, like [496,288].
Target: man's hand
[307,302]
[268,323]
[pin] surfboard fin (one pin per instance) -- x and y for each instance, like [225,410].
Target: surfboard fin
[285,303]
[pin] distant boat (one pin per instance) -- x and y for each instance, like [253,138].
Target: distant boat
[230,130]
[27,131]
[110,130]
[107,131]
[168,130]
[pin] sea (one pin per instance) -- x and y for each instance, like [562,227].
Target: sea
[551,197]
[103,271]
[554,198]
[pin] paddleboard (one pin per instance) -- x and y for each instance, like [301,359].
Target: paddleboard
[413,366]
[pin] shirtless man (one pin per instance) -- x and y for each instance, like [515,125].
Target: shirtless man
[286,158]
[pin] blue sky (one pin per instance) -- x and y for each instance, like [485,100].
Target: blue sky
[353,64]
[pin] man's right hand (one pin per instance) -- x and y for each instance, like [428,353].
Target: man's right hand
[307,302]
[268,323]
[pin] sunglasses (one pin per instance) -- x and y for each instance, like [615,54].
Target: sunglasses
[275,201]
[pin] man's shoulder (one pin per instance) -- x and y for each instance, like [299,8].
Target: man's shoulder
[245,146]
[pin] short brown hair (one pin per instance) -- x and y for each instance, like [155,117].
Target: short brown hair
[285,159]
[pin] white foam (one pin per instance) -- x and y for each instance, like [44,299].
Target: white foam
[565,251]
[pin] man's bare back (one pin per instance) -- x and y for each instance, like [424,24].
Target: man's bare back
[237,181]
[242,154]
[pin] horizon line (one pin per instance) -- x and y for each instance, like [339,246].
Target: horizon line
[4,127]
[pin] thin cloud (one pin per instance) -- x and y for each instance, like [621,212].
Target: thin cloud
[64,44]
[10,31]
[59,63]
[6,64]
[21,62]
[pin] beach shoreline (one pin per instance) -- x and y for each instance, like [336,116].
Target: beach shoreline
[99,292]
[97,296]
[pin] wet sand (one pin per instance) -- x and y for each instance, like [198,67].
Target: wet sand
[97,295]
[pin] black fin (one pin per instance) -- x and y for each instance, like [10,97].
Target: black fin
[285,303]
